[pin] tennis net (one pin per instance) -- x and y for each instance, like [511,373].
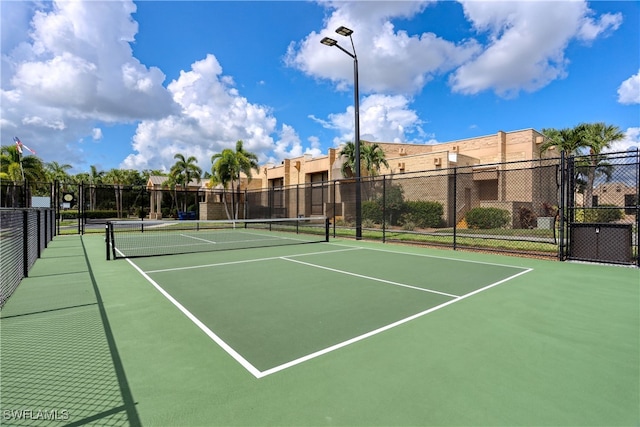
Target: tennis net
[129,239]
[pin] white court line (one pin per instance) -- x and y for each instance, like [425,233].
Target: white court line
[219,264]
[226,347]
[199,238]
[261,374]
[382,329]
[434,256]
[371,278]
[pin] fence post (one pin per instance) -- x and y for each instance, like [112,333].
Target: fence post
[334,207]
[81,206]
[562,207]
[246,204]
[384,210]
[455,207]
[25,243]
[38,231]
[638,207]
[25,194]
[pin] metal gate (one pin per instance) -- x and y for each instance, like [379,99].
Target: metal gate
[601,217]
[81,207]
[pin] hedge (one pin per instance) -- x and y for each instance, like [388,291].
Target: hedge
[487,218]
[423,214]
[604,214]
[73,214]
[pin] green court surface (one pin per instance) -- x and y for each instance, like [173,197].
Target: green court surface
[340,333]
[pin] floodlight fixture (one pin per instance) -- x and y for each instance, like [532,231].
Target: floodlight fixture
[344,31]
[328,41]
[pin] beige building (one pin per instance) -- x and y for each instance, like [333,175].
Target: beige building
[489,174]
[482,158]
[402,158]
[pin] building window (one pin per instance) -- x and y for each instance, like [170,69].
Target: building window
[630,203]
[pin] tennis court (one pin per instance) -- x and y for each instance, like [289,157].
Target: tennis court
[301,302]
[331,333]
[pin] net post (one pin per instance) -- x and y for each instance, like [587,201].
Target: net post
[111,239]
[326,229]
[106,239]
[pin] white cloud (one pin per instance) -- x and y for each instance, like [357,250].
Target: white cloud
[382,118]
[525,48]
[96,134]
[213,117]
[631,141]
[73,68]
[629,90]
[396,62]
[527,41]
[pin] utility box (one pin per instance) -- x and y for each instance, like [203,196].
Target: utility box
[601,242]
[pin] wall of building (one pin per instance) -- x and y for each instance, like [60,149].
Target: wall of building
[499,183]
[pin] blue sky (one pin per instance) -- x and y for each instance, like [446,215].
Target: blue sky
[130,84]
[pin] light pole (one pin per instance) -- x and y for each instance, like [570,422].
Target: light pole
[344,31]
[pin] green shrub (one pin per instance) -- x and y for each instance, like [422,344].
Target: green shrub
[408,226]
[368,223]
[101,214]
[599,215]
[393,203]
[344,223]
[486,218]
[69,214]
[423,214]
[371,211]
[73,214]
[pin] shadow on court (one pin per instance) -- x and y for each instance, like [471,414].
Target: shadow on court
[59,362]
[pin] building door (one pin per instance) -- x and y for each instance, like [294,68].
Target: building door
[319,192]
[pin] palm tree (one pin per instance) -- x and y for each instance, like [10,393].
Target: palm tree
[594,137]
[371,158]
[598,137]
[349,154]
[226,169]
[57,172]
[116,177]
[183,172]
[568,140]
[17,168]
[95,178]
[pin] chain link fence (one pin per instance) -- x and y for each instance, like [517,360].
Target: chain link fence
[568,208]
[24,234]
[602,207]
